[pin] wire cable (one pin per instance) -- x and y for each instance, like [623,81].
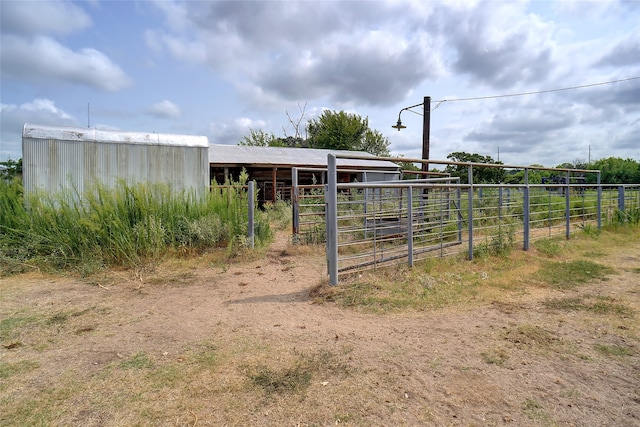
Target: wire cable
[478,98]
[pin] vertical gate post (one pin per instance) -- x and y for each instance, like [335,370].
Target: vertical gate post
[459,212]
[331,210]
[621,206]
[525,210]
[599,201]
[295,204]
[567,207]
[251,207]
[410,225]
[470,213]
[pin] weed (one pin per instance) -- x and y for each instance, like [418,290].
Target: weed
[138,361]
[534,410]
[548,247]
[495,356]
[571,393]
[589,230]
[10,324]
[602,305]
[297,378]
[613,350]
[127,225]
[8,369]
[290,380]
[567,275]
[606,306]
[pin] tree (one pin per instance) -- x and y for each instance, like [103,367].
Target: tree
[480,175]
[615,170]
[339,130]
[375,143]
[336,130]
[11,169]
[259,138]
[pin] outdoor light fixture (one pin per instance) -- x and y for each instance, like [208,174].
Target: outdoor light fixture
[399,125]
[426,125]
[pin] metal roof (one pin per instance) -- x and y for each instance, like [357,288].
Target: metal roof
[284,156]
[111,136]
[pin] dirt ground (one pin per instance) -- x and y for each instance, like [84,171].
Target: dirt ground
[514,361]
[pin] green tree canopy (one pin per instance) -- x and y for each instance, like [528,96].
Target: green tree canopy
[615,170]
[480,175]
[336,130]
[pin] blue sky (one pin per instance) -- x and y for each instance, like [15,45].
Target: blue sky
[220,69]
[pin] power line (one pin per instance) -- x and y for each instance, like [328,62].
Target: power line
[478,98]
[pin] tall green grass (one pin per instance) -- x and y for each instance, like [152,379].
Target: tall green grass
[126,225]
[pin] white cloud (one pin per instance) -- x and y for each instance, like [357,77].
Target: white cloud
[42,17]
[232,133]
[164,110]
[13,117]
[42,59]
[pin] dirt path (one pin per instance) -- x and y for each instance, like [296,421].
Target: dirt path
[507,363]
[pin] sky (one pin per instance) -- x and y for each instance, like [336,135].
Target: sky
[224,68]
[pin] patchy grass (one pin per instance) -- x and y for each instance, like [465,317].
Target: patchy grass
[138,361]
[495,356]
[569,274]
[599,305]
[548,247]
[613,350]
[535,411]
[8,369]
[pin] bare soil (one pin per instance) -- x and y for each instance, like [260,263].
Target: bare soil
[189,344]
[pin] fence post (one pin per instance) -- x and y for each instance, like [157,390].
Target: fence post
[525,210]
[410,225]
[251,210]
[599,201]
[470,213]
[331,210]
[621,198]
[295,203]
[567,207]
[459,211]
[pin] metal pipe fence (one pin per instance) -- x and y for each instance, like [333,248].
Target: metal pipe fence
[369,224]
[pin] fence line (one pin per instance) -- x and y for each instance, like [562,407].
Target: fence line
[368,224]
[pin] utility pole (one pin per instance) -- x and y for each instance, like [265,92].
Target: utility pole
[426,131]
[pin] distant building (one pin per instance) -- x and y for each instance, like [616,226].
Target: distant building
[63,158]
[271,167]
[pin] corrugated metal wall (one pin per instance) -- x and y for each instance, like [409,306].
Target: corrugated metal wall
[53,165]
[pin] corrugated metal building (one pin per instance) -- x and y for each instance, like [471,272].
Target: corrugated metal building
[271,167]
[61,158]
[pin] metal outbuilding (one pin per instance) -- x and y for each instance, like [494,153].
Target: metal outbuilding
[59,159]
[271,167]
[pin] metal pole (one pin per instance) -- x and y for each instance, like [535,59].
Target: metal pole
[332,219]
[252,191]
[426,130]
[525,210]
[567,206]
[295,203]
[470,213]
[599,201]
[470,220]
[621,198]
[410,225]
